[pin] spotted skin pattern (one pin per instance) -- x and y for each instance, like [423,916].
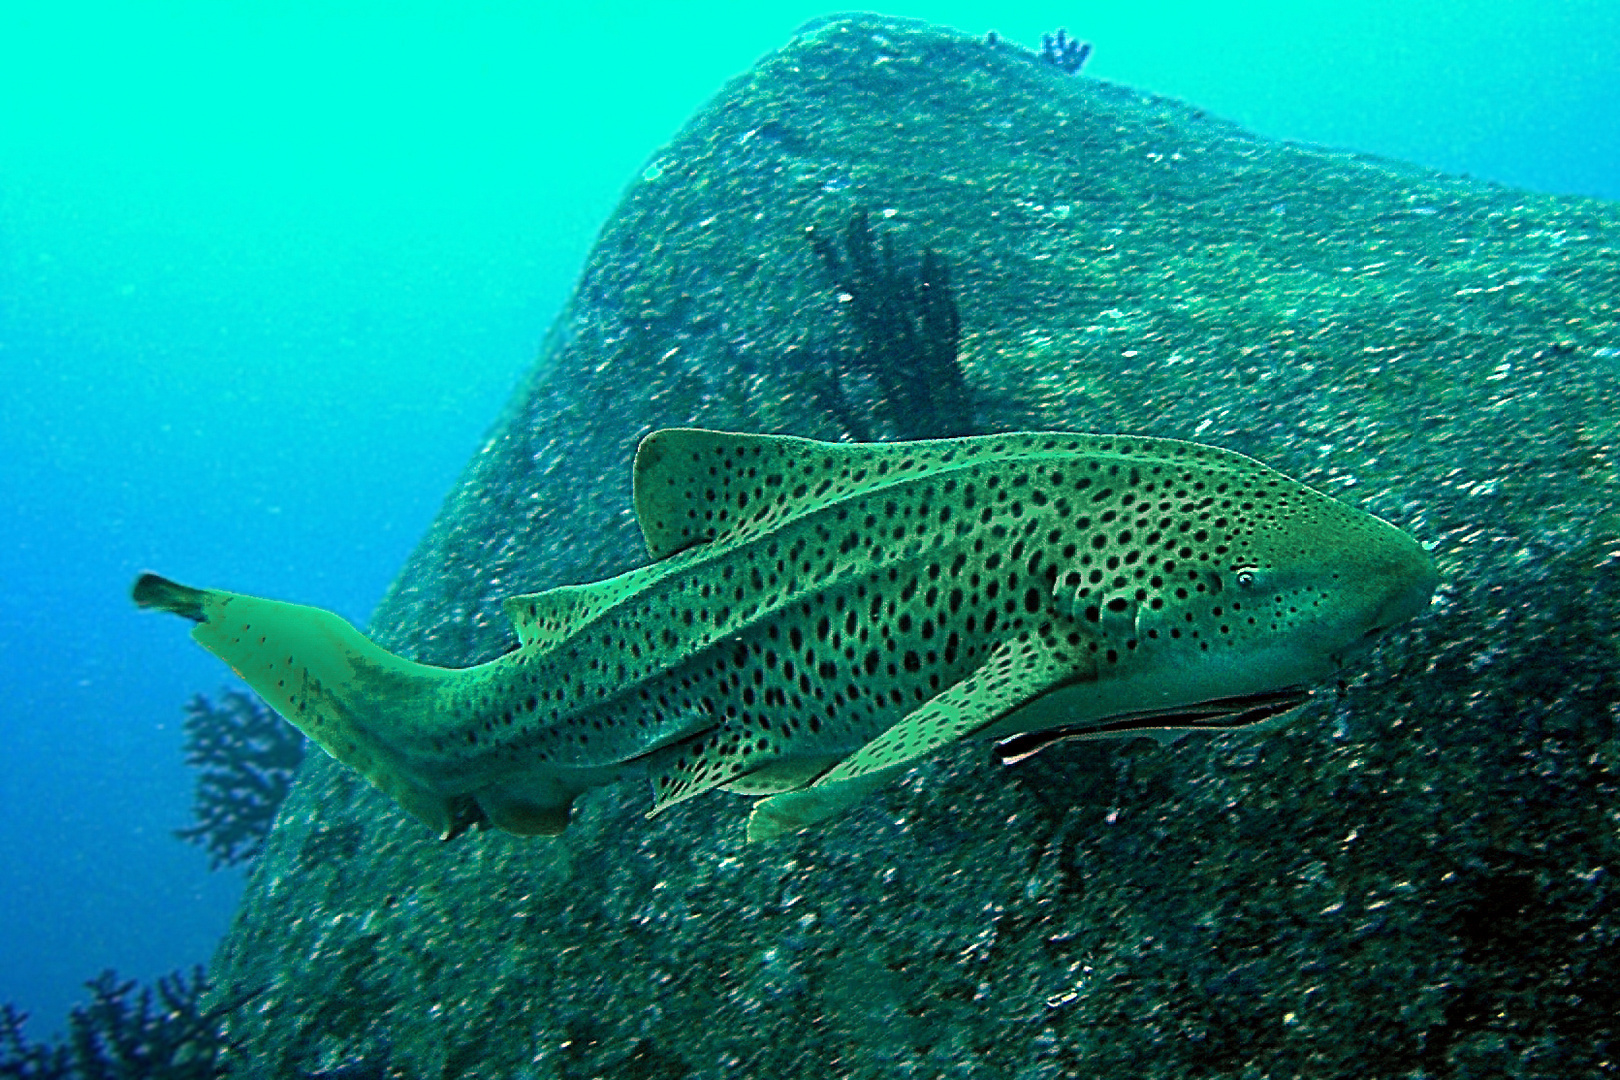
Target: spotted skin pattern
[821,615]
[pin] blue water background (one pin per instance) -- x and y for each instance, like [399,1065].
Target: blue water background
[267,277]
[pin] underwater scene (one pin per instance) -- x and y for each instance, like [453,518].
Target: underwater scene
[966,541]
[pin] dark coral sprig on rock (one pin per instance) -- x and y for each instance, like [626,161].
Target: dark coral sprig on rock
[909,330]
[246,756]
[1065,52]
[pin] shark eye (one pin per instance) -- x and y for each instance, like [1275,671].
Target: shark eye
[1244,576]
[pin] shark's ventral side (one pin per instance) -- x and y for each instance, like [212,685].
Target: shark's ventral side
[820,615]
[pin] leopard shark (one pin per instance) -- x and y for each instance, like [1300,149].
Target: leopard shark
[819,617]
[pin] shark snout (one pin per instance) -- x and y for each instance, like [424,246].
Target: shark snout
[1409,578]
[1392,584]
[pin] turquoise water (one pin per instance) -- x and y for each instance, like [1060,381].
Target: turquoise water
[266,280]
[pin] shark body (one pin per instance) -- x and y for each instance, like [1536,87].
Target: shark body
[819,616]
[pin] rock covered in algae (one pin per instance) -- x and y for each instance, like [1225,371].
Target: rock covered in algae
[1417,878]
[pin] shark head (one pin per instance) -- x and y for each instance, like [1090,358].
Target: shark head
[1321,581]
[1296,586]
[1222,593]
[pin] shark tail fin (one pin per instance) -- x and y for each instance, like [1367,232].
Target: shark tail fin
[324,677]
[161,594]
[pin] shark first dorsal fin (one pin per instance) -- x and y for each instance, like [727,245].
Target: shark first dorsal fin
[693,486]
[1016,672]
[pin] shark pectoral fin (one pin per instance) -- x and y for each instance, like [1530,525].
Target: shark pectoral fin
[1016,671]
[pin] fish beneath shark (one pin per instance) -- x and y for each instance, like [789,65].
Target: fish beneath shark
[820,616]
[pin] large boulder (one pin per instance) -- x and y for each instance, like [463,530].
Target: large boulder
[1417,878]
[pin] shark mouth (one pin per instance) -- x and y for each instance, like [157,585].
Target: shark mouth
[1220,714]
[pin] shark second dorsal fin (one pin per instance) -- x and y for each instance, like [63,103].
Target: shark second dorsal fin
[545,618]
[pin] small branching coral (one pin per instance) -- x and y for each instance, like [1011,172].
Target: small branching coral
[1065,52]
[23,1060]
[246,757]
[909,333]
[124,1031]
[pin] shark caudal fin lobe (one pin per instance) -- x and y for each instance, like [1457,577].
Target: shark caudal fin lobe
[322,675]
[161,594]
